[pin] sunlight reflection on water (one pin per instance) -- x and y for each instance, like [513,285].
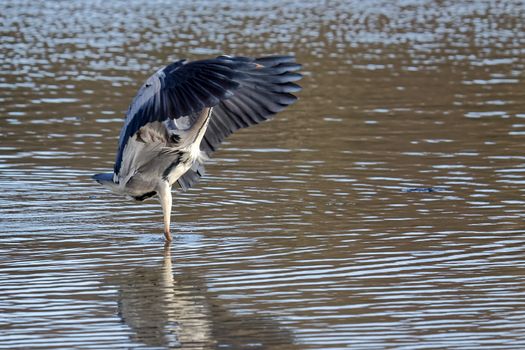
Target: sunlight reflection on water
[385,209]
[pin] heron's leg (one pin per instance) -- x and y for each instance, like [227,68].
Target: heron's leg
[165,201]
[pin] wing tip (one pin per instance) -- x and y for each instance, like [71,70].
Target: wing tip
[274,59]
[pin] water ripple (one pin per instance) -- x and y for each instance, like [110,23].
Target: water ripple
[315,231]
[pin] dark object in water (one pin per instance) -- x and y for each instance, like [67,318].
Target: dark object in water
[424,189]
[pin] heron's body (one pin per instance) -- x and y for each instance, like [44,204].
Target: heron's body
[184,111]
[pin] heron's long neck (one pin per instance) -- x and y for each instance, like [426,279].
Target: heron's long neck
[196,133]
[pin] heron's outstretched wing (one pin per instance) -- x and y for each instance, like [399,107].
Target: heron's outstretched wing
[181,89]
[262,92]
[265,88]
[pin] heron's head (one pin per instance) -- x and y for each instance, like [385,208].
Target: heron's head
[103,178]
[106,180]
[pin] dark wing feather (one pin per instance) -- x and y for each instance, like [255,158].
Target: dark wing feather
[191,176]
[265,88]
[181,89]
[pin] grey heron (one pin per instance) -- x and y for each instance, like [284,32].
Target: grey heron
[184,111]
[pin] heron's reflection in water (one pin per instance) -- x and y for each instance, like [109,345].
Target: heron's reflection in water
[177,311]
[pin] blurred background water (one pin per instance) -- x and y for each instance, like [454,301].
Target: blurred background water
[384,210]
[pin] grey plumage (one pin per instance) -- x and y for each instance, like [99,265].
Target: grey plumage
[183,112]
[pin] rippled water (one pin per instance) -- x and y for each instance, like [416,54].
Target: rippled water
[384,210]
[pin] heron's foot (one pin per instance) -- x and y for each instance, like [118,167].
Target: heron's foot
[167,235]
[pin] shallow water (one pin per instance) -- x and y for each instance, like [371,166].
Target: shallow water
[384,210]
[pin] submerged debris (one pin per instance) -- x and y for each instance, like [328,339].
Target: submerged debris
[424,189]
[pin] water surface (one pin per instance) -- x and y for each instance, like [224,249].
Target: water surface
[384,210]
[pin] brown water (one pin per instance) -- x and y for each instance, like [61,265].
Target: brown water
[313,231]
